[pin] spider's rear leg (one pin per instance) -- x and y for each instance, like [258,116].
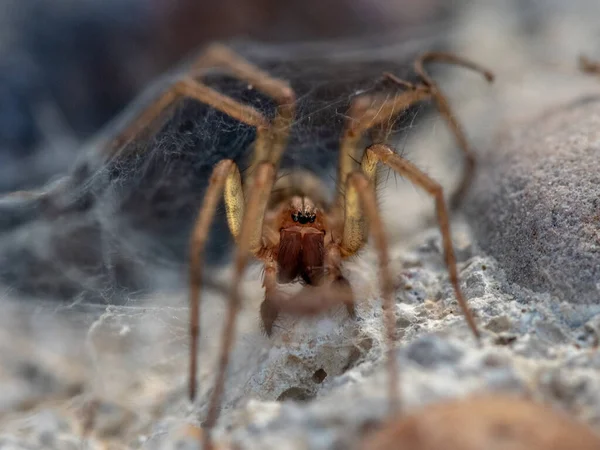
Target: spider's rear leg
[365,114]
[443,106]
[218,56]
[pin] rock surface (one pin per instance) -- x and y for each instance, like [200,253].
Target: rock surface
[319,383]
[536,202]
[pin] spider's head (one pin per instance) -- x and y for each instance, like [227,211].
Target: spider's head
[303,210]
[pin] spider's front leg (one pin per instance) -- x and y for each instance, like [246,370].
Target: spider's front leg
[355,228]
[384,154]
[225,181]
[249,242]
[245,220]
[360,214]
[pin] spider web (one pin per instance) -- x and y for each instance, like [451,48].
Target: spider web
[102,224]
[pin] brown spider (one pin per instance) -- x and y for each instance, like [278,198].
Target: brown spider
[287,223]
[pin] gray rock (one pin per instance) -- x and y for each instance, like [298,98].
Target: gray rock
[535,204]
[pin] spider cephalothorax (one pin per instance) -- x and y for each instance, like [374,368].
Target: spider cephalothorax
[291,228]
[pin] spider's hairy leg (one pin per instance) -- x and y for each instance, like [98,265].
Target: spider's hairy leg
[360,197]
[448,58]
[249,241]
[365,113]
[387,156]
[445,110]
[225,180]
[139,123]
[587,65]
[218,55]
[189,88]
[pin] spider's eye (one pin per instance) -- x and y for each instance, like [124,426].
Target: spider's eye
[312,218]
[295,217]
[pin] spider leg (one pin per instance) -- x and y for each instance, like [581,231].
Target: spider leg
[226,177]
[218,55]
[365,113]
[187,87]
[445,110]
[249,241]
[225,180]
[359,187]
[383,153]
[448,58]
[246,226]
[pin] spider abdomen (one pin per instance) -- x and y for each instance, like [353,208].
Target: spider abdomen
[301,255]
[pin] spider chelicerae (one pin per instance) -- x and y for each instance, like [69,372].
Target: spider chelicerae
[286,222]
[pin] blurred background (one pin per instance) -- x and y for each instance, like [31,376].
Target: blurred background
[67,67]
